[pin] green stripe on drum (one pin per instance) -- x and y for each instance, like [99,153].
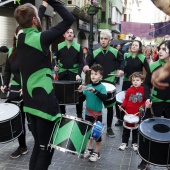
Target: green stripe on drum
[70,137]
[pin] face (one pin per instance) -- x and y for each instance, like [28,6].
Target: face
[37,20]
[84,51]
[104,41]
[164,53]
[69,35]
[135,47]
[118,47]
[148,52]
[136,81]
[95,76]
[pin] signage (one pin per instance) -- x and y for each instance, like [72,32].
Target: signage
[83,25]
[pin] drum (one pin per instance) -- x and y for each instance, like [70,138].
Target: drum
[97,130]
[111,91]
[119,100]
[10,122]
[131,121]
[154,141]
[71,135]
[66,92]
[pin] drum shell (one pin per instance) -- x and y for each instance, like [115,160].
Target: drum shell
[156,152]
[97,130]
[131,121]
[71,135]
[11,128]
[66,92]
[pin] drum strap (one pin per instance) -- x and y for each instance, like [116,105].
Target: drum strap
[93,113]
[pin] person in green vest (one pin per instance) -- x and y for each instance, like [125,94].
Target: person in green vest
[69,56]
[108,57]
[36,74]
[12,70]
[157,98]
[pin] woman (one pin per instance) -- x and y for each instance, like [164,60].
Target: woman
[157,98]
[134,62]
[12,69]
[149,55]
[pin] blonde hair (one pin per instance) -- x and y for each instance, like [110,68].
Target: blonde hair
[136,74]
[107,33]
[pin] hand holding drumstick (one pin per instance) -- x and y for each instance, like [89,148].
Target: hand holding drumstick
[127,112]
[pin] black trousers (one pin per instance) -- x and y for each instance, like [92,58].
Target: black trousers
[42,154]
[109,117]
[126,135]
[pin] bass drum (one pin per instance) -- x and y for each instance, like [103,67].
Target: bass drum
[154,141]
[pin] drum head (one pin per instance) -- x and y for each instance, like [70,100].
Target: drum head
[109,87]
[157,129]
[120,96]
[8,111]
[131,118]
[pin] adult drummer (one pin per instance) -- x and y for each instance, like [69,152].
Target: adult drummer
[155,97]
[69,56]
[107,57]
[36,75]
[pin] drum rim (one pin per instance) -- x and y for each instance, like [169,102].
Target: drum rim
[109,85]
[76,118]
[12,116]
[129,116]
[150,162]
[118,94]
[165,141]
[65,82]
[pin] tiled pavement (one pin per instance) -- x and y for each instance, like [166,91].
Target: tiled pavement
[111,157]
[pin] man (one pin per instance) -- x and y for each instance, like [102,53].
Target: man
[36,75]
[69,55]
[108,57]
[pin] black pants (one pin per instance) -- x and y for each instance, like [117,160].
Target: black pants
[126,85]
[42,154]
[126,135]
[109,117]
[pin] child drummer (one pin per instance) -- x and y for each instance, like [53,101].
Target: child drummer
[133,102]
[95,93]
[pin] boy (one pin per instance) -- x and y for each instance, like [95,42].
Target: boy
[134,99]
[95,93]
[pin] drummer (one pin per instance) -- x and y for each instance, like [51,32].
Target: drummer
[108,58]
[12,68]
[94,94]
[155,97]
[134,100]
[69,56]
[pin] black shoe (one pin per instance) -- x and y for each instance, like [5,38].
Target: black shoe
[119,123]
[20,151]
[143,165]
[110,133]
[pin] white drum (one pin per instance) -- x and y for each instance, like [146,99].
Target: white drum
[131,121]
[111,91]
[10,122]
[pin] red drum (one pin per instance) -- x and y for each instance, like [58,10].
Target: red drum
[154,141]
[119,100]
[10,122]
[66,92]
[131,121]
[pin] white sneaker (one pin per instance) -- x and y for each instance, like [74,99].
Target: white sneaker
[135,146]
[87,153]
[123,146]
[94,157]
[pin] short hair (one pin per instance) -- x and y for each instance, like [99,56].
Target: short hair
[107,33]
[137,74]
[24,14]
[97,68]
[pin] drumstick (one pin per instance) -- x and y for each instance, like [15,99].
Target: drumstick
[114,75]
[123,110]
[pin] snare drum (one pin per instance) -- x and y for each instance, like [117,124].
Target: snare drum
[119,100]
[111,91]
[97,130]
[66,92]
[131,121]
[71,135]
[10,122]
[154,141]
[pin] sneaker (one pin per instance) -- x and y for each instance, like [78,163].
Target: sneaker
[94,157]
[110,133]
[88,153]
[143,165]
[119,123]
[20,151]
[123,146]
[135,146]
